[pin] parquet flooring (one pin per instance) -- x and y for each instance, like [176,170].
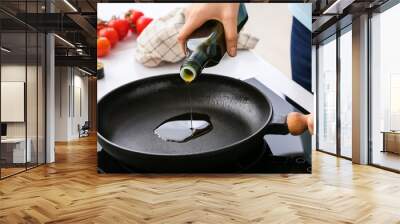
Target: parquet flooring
[71,191]
[11,170]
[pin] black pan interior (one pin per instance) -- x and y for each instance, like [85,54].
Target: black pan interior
[129,114]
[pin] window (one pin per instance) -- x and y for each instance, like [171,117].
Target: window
[385,89]
[330,133]
[22,77]
[327,96]
[346,93]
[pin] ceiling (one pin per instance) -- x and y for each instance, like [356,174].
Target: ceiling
[332,15]
[72,20]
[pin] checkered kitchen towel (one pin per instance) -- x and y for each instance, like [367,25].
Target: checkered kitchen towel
[158,42]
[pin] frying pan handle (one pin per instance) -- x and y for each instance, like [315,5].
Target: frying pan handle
[278,126]
[294,123]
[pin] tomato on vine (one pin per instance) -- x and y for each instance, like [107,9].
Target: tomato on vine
[111,34]
[142,23]
[132,16]
[121,26]
[103,46]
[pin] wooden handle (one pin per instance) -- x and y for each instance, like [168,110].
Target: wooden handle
[298,123]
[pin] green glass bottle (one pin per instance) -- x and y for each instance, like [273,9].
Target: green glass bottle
[206,46]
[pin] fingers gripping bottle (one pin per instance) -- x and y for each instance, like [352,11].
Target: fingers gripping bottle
[206,46]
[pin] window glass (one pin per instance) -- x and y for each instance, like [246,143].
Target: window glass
[22,89]
[327,96]
[15,149]
[346,94]
[385,88]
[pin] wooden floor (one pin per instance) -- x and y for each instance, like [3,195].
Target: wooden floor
[8,171]
[71,191]
[11,170]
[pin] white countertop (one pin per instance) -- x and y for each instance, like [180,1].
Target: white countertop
[121,67]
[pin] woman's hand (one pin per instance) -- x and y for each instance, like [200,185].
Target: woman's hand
[197,14]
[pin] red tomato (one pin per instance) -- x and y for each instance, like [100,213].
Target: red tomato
[141,23]
[121,26]
[132,16]
[111,34]
[101,24]
[103,46]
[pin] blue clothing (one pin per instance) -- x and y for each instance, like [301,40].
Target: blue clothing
[300,53]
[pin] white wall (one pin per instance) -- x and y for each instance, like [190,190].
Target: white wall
[274,38]
[80,85]
[33,126]
[70,83]
[62,80]
[16,72]
[13,100]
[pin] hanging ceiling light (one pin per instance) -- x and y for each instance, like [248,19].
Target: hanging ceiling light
[337,7]
[64,40]
[84,71]
[5,50]
[70,5]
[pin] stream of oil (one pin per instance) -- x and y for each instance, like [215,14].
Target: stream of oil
[190,104]
[184,127]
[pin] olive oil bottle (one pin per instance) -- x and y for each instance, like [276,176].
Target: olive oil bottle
[206,46]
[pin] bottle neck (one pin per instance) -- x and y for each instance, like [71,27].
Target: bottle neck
[193,65]
[207,46]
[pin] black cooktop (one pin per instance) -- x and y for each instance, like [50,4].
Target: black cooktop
[278,153]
